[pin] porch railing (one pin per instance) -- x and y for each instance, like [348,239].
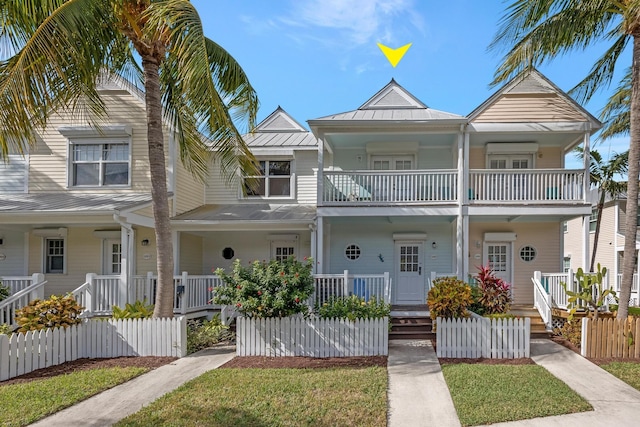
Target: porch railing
[530,185]
[542,300]
[22,297]
[389,187]
[345,284]
[635,294]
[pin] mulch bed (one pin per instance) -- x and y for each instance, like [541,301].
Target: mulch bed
[305,362]
[150,362]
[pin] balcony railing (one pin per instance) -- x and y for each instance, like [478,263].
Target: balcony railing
[532,185]
[390,187]
[441,186]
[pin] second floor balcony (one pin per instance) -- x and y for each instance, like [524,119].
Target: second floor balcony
[486,186]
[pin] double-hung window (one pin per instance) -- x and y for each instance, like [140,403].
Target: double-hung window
[54,256]
[274,180]
[593,219]
[98,162]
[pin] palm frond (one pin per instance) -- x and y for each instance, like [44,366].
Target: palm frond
[616,113]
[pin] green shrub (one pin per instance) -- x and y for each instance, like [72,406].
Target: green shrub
[352,308]
[495,293]
[137,310]
[449,297]
[6,329]
[476,306]
[203,334]
[267,289]
[590,290]
[53,312]
[571,331]
[5,292]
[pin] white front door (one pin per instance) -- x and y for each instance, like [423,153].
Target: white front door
[283,249]
[409,287]
[498,257]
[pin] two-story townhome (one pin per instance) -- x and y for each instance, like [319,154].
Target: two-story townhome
[417,192]
[79,202]
[610,249]
[392,188]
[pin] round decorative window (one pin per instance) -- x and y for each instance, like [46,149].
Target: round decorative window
[352,252]
[528,253]
[227,253]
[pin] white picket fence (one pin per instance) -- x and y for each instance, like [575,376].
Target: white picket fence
[313,337]
[94,338]
[489,338]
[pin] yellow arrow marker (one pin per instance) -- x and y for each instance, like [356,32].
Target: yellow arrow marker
[394,55]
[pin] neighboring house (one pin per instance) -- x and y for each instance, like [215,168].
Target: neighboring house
[391,187]
[610,250]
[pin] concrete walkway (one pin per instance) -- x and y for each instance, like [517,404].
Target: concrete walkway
[111,406]
[418,394]
[615,403]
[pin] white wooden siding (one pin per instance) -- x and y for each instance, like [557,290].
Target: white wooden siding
[436,158]
[306,179]
[13,174]
[573,242]
[217,191]
[376,238]
[191,254]
[48,160]
[189,192]
[546,158]
[544,236]
[529,108]
[13,249]
[247,246]
[145,255]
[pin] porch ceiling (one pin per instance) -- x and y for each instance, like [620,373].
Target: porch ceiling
[420,219]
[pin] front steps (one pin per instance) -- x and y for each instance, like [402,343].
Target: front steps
[411,322]
[538,328]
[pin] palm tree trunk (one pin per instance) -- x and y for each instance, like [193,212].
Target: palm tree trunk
[628,263]
[160,200]
[596,235]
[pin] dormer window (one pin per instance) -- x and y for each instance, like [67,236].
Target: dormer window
[275,180]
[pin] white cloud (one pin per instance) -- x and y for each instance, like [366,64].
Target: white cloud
[356,22]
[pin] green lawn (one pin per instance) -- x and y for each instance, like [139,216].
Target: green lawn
[273,397]
[486,394]
[629,372]
[24,403]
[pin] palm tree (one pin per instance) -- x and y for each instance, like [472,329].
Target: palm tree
[59,49]
[536,31]
[602,176]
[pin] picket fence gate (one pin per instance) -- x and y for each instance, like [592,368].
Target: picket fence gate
[94,338]
[610,338]
[490,338]
[313,337]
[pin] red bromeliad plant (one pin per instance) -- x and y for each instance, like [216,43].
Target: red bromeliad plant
[495,293]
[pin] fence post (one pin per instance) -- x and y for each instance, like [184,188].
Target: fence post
[387,288]
[345,283]
[88,294]
[583,339]
[37,278]
[184,298]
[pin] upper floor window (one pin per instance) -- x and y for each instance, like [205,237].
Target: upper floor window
[593,219]
[510,162]
[100,164]
[275,179]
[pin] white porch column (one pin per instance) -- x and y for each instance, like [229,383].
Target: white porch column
[586,165]
[461,238]
[175,237]
[462,275]
[127,263]
[585,241]
[314,242]
[319,260]
[320,192]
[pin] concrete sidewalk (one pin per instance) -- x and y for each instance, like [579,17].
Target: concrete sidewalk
[418,394]
[615,403]
[111,406]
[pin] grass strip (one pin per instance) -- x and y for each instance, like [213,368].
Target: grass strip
[24,403]
[629,372]
[273,397]
[487,394]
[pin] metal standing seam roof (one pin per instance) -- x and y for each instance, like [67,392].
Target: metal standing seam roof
[251,212]
[392,103]
[69,202]
[279,129]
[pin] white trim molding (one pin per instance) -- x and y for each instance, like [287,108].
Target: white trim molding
[500,237]
[409,236]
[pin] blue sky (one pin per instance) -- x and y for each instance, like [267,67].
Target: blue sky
[319,57]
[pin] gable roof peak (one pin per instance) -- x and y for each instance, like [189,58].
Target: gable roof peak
[392,96]
[279,121]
